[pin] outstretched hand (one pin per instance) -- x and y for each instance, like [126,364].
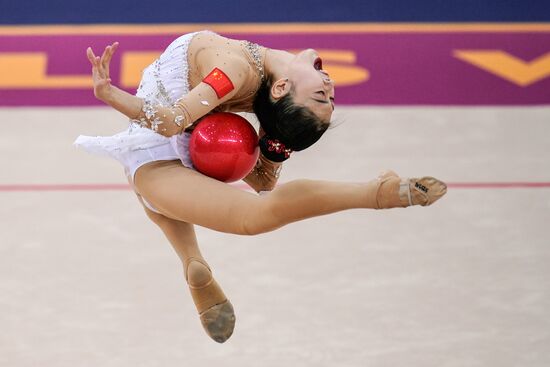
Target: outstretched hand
[100,70]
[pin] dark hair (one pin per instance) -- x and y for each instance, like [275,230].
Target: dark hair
[294,125]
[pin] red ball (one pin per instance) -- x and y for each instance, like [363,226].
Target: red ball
[224,146]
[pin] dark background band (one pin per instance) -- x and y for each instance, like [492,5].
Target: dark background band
[224,11]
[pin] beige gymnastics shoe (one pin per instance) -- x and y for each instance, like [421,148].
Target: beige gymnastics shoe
[391,191]
[215,311]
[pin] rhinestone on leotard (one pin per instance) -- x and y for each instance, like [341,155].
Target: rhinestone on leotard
[254,51]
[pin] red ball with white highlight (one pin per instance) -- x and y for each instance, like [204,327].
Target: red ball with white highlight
[224,146]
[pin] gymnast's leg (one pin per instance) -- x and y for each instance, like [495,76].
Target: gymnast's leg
[189,196]
[215,310]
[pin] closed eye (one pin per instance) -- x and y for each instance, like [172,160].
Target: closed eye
[325,102]
[324,95]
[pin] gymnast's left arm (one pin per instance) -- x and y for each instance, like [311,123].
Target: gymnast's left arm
[216,88]
[264,175]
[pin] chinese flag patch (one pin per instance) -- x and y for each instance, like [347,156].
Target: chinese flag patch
[219,82]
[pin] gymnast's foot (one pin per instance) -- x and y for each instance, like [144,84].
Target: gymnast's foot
[215,311]
[391,191]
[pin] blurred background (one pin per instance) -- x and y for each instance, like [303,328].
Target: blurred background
[455,89]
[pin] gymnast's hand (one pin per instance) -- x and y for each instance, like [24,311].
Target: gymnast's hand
[100,71]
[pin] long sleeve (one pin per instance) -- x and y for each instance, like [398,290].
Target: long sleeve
[264,175]
[219,86]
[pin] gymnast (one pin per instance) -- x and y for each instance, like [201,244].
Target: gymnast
[293,99]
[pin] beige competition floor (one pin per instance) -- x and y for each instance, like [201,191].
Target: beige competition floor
[86,280]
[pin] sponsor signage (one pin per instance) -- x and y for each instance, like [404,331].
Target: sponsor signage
[397,64]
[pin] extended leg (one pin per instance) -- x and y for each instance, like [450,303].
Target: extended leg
[188,196]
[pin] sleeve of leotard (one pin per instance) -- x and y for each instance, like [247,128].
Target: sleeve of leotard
[219,86]
[264,175]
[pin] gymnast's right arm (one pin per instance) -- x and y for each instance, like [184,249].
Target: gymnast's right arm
[166,120]
[123,102]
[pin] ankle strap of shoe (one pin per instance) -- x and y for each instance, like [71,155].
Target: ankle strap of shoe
[405,193]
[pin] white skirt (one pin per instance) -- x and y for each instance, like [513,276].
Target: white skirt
[137,146]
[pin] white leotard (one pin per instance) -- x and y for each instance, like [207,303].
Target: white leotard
[162,82]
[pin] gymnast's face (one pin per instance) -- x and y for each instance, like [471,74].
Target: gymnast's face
[311,86]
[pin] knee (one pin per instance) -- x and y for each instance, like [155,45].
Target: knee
[260,220]
[251,228]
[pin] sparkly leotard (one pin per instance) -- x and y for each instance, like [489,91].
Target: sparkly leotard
[163,82]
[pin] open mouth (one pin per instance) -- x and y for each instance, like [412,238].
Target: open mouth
[318,64]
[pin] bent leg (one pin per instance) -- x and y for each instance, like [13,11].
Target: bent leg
[215,310]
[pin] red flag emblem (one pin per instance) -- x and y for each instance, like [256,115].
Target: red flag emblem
[220,82]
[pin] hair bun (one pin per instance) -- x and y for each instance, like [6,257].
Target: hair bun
[273,149]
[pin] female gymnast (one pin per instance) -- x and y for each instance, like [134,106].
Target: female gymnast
[293,98]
